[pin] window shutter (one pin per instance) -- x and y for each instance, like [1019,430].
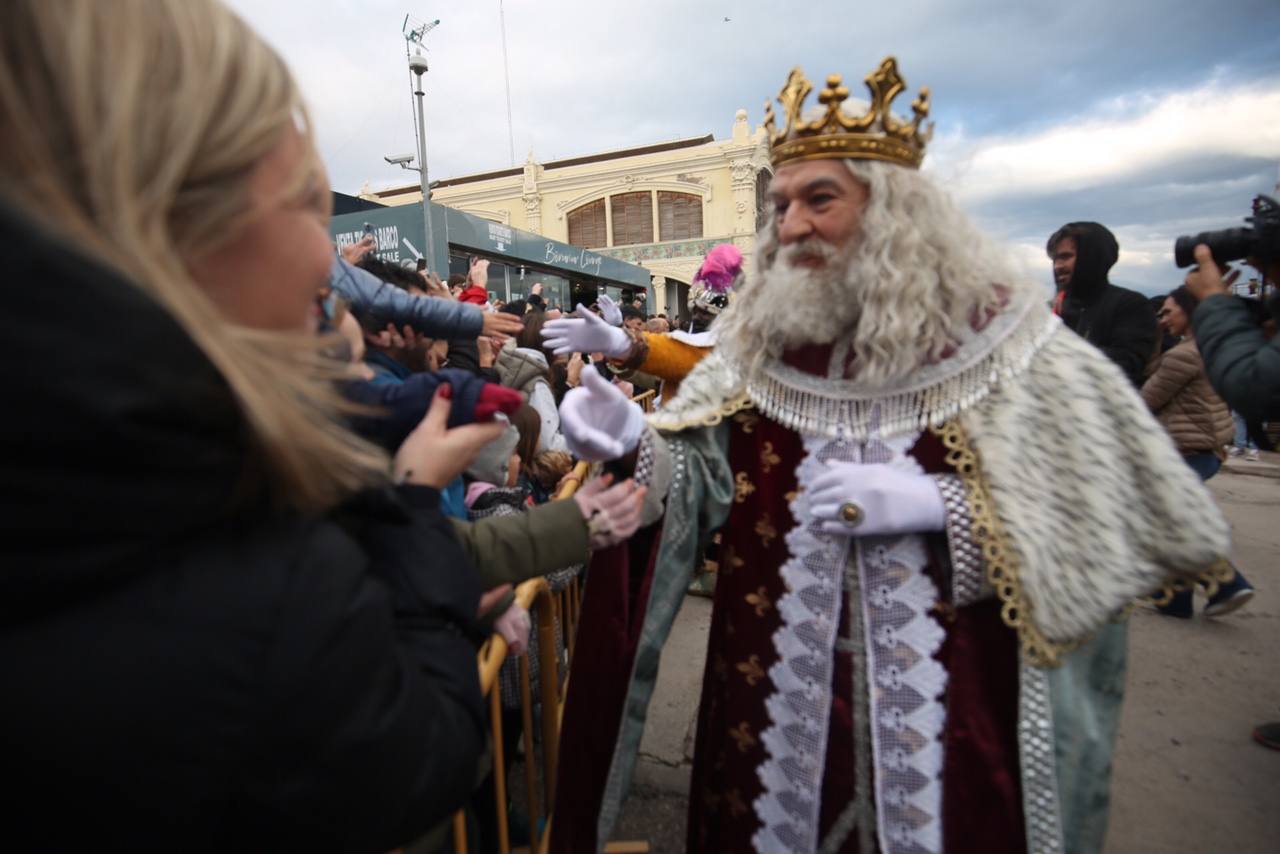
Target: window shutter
[679,216]
[632,218]
[587,225]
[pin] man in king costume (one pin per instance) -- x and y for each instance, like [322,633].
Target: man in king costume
[936,505]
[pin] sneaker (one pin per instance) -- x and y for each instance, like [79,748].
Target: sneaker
[1233,451]
[1251,455]
[1229,598]
[1179,606]
[1268,735]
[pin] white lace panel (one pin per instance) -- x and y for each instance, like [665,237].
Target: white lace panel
[906,709]
[800,707]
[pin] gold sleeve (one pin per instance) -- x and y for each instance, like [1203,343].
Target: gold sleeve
[669,359]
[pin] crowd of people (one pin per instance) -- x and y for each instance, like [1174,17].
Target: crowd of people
[267,497]
[1157,351]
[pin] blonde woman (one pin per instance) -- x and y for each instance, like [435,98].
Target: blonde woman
[196,655]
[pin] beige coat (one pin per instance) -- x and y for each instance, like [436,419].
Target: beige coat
[1179,394]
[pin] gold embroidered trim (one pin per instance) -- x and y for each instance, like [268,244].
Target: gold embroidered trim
[1002,565]
[751,670]
[997,553]
[727,409]
[1220,573]
[768,459]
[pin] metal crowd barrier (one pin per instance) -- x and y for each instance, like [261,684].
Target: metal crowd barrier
[535,596]
[547,608]
[645,399]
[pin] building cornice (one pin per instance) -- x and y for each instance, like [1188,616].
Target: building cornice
[711,155]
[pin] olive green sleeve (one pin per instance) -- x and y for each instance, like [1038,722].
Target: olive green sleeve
[525,545]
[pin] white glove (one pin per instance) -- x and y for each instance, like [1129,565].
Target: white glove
[888,500]
[612,512]
[584,333]
[513,625]
[609,308]
[597,420]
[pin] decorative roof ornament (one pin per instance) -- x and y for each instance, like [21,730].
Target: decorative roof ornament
[875,135]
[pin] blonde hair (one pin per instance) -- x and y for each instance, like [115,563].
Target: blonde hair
[131,128]
[547,467]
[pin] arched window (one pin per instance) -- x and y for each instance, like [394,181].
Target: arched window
[632,218]
[679,216]
[587,225]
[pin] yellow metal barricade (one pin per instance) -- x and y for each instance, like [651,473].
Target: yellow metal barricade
[546,608]
[645,400]
[569,600]
[536,597]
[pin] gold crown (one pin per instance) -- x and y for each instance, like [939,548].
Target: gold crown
[875,135]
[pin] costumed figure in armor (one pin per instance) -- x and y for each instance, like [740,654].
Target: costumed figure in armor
[936,504]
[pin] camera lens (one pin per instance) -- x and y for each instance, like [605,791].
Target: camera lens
[1227,245]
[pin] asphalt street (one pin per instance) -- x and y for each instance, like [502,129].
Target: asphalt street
[1188,777]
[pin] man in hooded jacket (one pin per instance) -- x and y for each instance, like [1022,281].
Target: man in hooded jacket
[1117,321]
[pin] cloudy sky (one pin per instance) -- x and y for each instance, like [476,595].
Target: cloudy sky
[1154,117]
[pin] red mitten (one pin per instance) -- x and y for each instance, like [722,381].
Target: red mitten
[495,398]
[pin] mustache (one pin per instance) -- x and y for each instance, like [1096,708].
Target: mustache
[811,249]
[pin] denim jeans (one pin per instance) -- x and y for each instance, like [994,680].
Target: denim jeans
[1242,440]
[1204,464]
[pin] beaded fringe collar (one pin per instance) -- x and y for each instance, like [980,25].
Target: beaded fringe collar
[814,405]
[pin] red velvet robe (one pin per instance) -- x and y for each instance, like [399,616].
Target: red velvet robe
[981,799]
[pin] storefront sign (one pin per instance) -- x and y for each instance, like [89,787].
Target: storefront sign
[586,261]
[503,236]
[398,232]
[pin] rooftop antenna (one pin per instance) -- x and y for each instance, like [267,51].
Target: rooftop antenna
[506,73]
[415,32]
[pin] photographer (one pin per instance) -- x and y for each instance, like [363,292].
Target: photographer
[1243,366]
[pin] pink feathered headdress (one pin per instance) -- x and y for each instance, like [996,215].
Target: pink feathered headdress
[721,266]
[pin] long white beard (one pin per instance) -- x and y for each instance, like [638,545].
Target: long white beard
[796,305]
[849,300]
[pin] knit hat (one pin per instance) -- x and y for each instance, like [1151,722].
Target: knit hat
[490,465]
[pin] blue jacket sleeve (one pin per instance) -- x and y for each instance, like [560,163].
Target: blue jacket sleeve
[435,318]
[399,408]
[1243,366]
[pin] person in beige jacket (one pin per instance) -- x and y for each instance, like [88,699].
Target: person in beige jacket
[1178,392]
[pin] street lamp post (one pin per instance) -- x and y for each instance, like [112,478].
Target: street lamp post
[418,65]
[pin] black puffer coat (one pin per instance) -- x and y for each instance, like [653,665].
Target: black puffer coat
[1117,321]
[183,668]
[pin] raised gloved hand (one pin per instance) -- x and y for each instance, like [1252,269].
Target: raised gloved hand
[584,333]
[597,420]
[876,500]
[610,310]
[612,512]
[513,625]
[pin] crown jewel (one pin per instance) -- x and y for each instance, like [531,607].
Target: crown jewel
[875,135]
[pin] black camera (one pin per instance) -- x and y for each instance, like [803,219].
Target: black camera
[1260,239]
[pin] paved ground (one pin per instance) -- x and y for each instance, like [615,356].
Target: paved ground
[1188,778]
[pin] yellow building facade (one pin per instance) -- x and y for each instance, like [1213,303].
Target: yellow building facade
[660,206]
